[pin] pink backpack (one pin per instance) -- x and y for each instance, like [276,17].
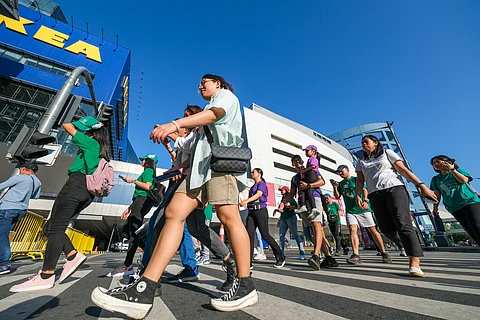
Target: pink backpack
[100,183]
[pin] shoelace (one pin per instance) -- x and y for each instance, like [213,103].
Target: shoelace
[232,292]
[122,287]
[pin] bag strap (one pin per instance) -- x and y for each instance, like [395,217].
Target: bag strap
[33,186]
[208,133]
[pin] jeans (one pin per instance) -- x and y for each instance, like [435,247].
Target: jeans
[258,243]
[72,199]
[259,218]
[290,223]
[187,254]
[469,219]
[140,207]
[391,207]
[8,218]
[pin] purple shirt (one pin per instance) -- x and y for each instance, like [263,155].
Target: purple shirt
[295,183]
[259,186]
[313,161]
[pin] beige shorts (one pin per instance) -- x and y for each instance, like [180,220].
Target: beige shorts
[222,188]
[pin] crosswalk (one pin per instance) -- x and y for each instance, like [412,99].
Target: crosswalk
[451,290]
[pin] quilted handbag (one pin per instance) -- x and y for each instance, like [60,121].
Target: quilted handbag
[228,159]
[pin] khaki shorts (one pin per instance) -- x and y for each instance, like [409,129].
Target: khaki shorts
[222,188]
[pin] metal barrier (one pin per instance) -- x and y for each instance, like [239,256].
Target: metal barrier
[28,239]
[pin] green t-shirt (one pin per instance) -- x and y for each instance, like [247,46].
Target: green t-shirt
[333,209]
[455,195]
[347,190]
[148,175]
[208,212]
[287,214]
[90,150]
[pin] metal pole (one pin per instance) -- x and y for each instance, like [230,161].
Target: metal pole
[111,237]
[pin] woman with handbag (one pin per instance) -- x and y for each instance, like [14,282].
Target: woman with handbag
[135,212]
[258,217]
[91,138]
[460,199]
[388,197]
[203,184]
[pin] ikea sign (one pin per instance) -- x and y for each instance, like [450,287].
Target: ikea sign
[53,37]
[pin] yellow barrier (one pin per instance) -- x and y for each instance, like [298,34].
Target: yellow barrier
[28,239]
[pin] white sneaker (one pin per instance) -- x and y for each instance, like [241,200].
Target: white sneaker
[302,209]
[260,256]
[403,253]
[416,272]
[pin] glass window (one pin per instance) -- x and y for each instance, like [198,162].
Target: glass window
[7,89]
[44,66]
[59,71]
[25,94]
[12,110]
[10,55]
[32,116]
[42,98]
[30,61]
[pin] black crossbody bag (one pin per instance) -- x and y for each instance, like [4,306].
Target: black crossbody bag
[228,159]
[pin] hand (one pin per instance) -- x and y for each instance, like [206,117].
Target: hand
[359,201]
[129,179]
[364,205]
[166,143]
[427,193]
[288,206]
[125,214]
[160,132]
[281,206]
[448,166]
[334,183]
[178,176]
[303,185]
[243,203]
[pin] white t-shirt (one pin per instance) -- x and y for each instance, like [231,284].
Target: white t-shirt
[379,172]
[183,147]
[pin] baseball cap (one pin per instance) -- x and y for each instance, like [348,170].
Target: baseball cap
[341,167]
[87,123]
[281,188]
[30,166]
[310,147]
[327,195]
[150,156]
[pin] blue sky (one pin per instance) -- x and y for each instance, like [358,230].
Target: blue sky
[345,62]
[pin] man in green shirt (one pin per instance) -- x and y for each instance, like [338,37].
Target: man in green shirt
[333,216]
[355,215]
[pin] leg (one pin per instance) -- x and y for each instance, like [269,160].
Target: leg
[7,219]
[134,240]
[261,219]
[292,225]
[258,237]
[469,219]
[186,250]
[354,237]
[283,230]
[377,238]
[250,226]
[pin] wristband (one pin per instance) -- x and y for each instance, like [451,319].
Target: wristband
[176,125]
[309,185]
[419,184]
[171,151]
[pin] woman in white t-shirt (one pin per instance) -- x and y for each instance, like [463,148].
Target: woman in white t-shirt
[380,168]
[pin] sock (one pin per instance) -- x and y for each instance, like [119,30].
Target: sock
[45,275]
[72,257]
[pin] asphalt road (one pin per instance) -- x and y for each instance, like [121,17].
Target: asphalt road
[451,290]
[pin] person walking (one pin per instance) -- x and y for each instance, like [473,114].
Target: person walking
[357,216]
[258,217]
[380,168]
[14,205]
[334,224]
[288,220]
[136,212]
[223,117]
[453,185]
[91,138]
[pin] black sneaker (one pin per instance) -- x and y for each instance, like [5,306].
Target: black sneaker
[241,295]
[134,300]
[229,267]
[186,275]
[280,262]
[354,259]
[345,251]
[329,262]
[386,258]
[314,262]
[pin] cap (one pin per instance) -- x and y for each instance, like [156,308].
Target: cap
[327,195]
[30,166]
[87,123]
[310,147]
[150,156]
[341,167]
[281,188]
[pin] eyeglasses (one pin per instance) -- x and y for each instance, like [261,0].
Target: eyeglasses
[202,83]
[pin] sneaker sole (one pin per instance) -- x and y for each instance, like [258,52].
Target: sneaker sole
[279,266]
[188,279]
[72,271]
[417,275]
[313,265]
[131,309]
[227,306]
[354,262]
[44,287]
[6,272]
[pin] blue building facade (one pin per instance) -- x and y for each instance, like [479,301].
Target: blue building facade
[37,55]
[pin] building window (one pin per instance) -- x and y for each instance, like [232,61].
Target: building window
[290,155]
[290,143]
[284,167]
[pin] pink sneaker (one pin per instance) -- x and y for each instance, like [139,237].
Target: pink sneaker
[70,267]
[121,271]
[34,283]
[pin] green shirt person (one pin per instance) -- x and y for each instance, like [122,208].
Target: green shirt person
[333,209]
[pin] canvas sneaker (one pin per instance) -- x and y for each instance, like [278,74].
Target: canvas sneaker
[329,262]
[6,269]
[280,262]
[314,262]
[230,268]
[386,258]
[313,214]
[186,275]
[416,272]
[34,283]
[260,256]
[403,253]
[354,259]
[241,295]
[70,267]
[134,300]
[203,261]
[121,271]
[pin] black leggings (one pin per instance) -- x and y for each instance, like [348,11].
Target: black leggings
[259,218]
[72,199]
[305,197]
[140,207]
[469,218]
[336,231]
[391,207]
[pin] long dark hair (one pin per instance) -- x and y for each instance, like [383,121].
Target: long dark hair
[193,109]
[223,83]
[444,158]
[101,135]
[260,171]
[378,150]
[149,163]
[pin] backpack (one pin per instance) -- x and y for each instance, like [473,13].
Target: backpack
[100,183]
[156,193]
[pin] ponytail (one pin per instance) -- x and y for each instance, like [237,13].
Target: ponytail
[101,136]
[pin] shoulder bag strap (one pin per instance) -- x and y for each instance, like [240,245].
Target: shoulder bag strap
[33,186]
[209,134]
